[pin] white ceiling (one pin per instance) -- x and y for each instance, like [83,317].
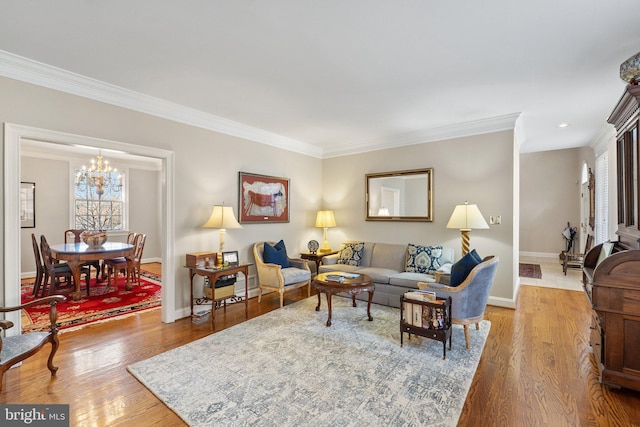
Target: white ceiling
[337,76]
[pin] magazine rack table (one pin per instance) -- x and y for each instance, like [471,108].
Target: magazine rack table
[436,321]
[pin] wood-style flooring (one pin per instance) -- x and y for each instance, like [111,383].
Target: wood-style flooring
[536,368]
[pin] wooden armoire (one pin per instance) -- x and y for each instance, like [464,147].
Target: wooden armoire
[612,284]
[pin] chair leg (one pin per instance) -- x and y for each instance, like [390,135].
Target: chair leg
[466,336]
[54,348]
[309,290]
[259,294]
[281,298]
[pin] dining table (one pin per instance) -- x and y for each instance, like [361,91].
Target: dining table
[77,254]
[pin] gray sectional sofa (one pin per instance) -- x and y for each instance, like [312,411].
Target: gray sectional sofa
[386,265]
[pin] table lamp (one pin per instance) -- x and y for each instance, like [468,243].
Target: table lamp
[325,219]
[222,218]
[466,217]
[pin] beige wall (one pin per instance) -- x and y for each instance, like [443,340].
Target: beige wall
[206,164]
[478,169]
[550,191]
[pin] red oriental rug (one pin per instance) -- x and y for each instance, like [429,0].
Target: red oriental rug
[102,304]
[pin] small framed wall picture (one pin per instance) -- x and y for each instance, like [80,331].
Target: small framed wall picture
[230,258]
[27,205]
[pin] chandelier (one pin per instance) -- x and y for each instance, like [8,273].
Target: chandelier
[98,176]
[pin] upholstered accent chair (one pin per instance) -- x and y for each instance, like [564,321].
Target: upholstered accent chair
[16,348]
[274,277]
[469,299]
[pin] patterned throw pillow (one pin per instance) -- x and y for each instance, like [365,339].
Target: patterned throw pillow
[423,259]
[351,253]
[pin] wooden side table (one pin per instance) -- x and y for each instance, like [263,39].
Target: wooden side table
[213,274]
[316,257]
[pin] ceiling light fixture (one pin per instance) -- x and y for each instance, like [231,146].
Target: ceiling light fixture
[563,125]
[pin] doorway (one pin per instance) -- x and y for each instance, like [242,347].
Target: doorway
[13,135]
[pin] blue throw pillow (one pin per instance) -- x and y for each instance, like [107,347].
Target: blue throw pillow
[461,269]
[276,254]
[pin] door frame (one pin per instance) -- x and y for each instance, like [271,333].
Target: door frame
[13,135]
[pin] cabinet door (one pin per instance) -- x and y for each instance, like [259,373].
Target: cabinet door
[631,355]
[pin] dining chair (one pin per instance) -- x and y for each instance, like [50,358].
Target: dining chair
[73,235]
[52,271]
[119,264]
[39,267]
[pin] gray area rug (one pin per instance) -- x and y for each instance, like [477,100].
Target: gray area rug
[286,368]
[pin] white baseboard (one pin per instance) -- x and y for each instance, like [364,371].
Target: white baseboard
[540,255]
[502,302]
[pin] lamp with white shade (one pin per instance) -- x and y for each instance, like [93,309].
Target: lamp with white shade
[325,219]
[466,218]
[222,217]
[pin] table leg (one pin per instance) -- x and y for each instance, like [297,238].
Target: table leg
[329,294]
[318,306]
[369,306]
[246,292]
[353,297]
[74,266]
[212,280]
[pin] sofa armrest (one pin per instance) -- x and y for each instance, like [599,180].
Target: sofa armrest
[437,286]
[299,263]
[330,259]
[445,268]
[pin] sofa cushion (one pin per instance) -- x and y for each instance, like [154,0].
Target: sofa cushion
[276,254]
[410,280]
[423,259]
[295,275]
[386,255]
[378,275]
[461,269]
[351,253]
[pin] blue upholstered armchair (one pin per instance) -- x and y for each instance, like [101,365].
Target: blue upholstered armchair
[274,277]
[469,299]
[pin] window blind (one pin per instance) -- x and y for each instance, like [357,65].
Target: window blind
[602,198]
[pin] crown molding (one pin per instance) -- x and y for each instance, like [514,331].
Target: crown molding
[600,143]
[441,133]
[40,74]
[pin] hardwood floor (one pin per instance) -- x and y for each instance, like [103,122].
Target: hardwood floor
[536,368]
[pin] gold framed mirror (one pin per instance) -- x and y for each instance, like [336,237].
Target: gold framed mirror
[399,196]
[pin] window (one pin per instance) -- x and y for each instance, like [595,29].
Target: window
[94,211]
[602,198]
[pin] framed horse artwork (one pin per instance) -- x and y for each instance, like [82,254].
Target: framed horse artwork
[263,198]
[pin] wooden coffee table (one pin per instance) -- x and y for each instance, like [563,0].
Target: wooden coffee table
[357,285]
